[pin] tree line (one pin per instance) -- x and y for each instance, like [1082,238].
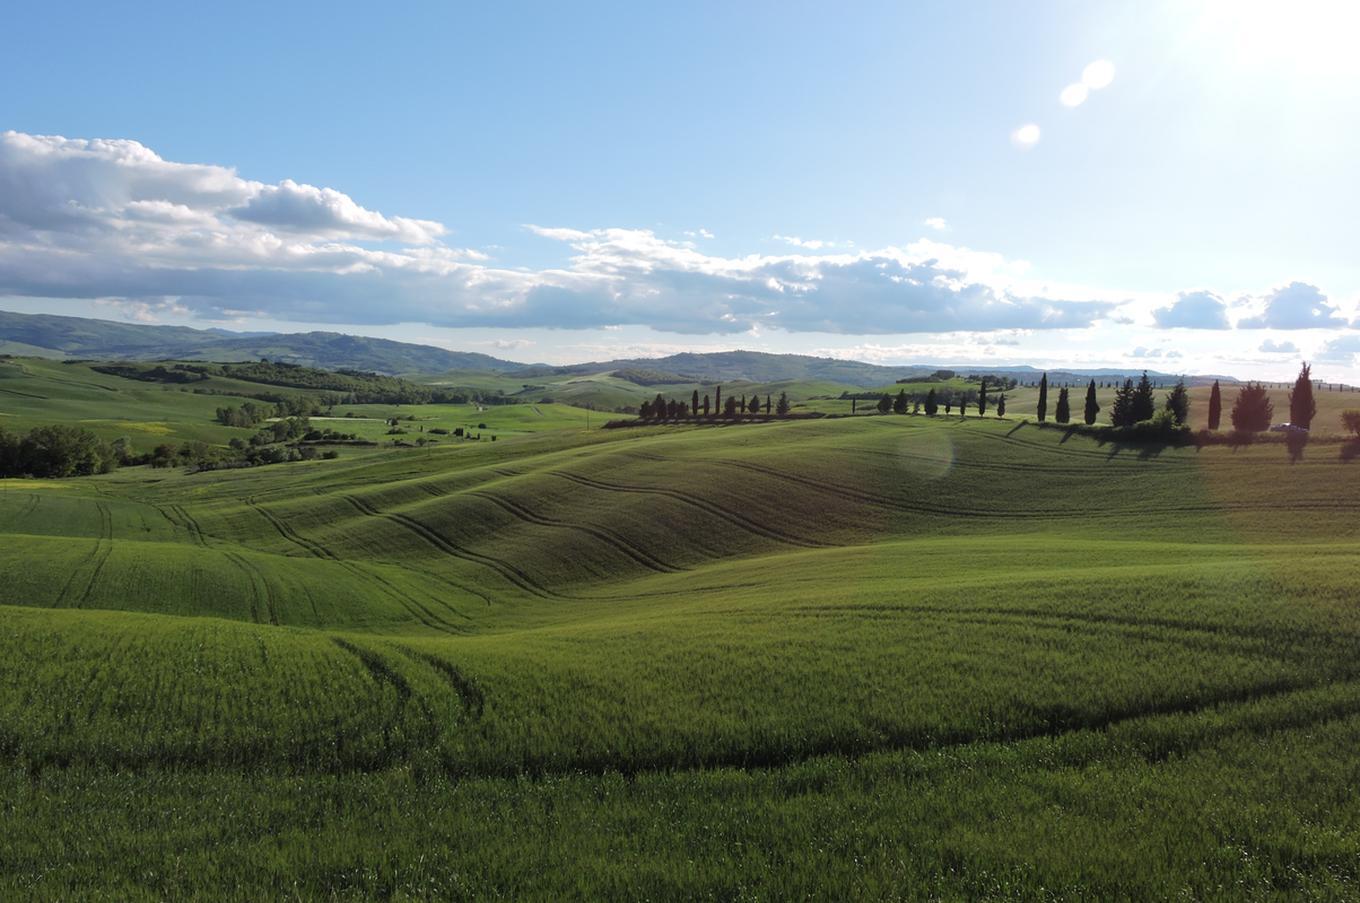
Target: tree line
[663,408]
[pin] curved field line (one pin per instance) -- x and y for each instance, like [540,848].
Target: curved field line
[419,611]
[733,518]
[511,573]
[603,534]
[260,588]
[469,693]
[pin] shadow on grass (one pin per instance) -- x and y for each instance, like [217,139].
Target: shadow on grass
[1350,450]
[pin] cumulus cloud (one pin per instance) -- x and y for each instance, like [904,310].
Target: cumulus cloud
[937,223]
[1342,350]
[1193,310]
[1297,305]
[1270,346]
[808,244]
[112,219]
[1155,353]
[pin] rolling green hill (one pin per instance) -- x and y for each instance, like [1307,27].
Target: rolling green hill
[881,656]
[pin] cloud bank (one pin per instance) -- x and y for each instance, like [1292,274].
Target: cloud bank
[111,220]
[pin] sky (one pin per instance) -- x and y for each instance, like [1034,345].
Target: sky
[1170,185]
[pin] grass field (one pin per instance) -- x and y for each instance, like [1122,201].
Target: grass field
[851,658]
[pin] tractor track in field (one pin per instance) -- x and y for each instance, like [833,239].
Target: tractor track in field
[508,571]
[737,520]
[95,560]
[405,600]
[603,534]
[382,672]
[261,590]
[469,693]
[30,505]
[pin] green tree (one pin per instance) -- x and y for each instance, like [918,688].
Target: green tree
[932,403]
[900,403]
[767,404]
[1215,406]
[694,402]
[885,404]
[1043,398]
[1001,405]
[1252,410]
[1302,405]
[1063,412]
[782,409]
[730,409]
[982,397]
[1350,421]
[1092,406]
[1178,403]
[1122,412]
[1144,405]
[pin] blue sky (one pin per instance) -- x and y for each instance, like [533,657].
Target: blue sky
[561,182]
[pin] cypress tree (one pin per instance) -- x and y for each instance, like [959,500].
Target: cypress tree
[783,407]
[705,405]
[1001,405]
[1122,413]
[885,404]
[932,403]
[694,403]
[1043,398]
[1178,403]
[717,400]
[982,397]
[1302,405]
[1063,412]
[767,403]
[1092,406]
[1215,407]
[900,402]
[1144,405]
[659,407]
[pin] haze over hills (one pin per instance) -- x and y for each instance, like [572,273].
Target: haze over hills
[49,335]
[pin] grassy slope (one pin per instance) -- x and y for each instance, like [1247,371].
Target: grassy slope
[886,656]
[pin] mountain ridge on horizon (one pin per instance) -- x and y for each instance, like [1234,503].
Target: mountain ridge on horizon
[65,336]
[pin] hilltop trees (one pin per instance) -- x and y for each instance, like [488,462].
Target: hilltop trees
[1063,412]
[1178,403]
[1253,409]
[1144,405]
[1215,406]
[1092,406]
[932,403]
[1302,405]
[1043,398]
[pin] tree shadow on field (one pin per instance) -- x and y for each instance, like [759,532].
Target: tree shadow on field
[1350,450]
[1015,429]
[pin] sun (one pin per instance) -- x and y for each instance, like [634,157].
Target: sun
[1307,37]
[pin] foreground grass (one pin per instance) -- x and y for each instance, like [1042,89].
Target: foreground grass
[887,657]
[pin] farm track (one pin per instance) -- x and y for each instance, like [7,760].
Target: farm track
[737,520]
[94,561]
[261,590]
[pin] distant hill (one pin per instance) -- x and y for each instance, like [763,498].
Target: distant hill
[56,336]
[45,335]
[762,367]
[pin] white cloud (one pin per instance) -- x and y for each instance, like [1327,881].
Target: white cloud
[1342,350]
[1270,346]
[111,220]
[807,244]
[936,222]
[1193,310]
[1297,305]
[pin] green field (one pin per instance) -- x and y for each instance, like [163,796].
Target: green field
[850,658]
